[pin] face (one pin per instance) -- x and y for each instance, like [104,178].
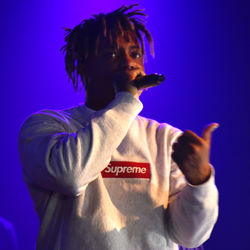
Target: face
[103,68]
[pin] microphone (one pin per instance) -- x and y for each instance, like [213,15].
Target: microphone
[148,81]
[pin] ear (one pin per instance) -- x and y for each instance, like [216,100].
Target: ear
[81,69]
[85,82]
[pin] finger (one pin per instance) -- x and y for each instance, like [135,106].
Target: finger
[185,140]
[139,93]
[177,158]
[194,138]
[182,153]
[138,75]
[186,145]
[142,73]
[207,132]
[177,148]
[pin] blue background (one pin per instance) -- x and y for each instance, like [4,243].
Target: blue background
[203,49]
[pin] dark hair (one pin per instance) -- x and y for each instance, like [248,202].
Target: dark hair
[84,39]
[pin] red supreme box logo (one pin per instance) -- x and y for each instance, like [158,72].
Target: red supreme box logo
[126,169]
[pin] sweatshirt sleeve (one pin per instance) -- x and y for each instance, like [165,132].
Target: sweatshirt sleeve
[55,158]
[193,209]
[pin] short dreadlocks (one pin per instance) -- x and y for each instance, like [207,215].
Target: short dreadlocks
[83,40]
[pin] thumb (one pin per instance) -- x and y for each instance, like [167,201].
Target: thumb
[138,93]
[207,132]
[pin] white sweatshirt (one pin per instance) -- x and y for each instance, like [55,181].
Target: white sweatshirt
[105,180]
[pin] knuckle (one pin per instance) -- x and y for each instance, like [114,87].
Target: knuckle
[196,148]
[187,131]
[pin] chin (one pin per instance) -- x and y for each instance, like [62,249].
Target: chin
[107,94]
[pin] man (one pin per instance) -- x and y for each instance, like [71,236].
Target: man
[100,175]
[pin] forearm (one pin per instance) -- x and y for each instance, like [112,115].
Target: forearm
[65,162]
[192,214]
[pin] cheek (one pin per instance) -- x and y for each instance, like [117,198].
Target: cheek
[103,66]
[141,63]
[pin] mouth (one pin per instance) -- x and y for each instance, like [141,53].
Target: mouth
[128,75]
[138,76]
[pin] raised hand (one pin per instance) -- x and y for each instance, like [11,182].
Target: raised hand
[136,83]
[124,81]
[191,153]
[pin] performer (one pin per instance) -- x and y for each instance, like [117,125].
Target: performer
[100,175]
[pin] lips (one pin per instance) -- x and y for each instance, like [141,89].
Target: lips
[126,75]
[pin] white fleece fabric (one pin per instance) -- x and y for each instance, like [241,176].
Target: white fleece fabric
[63,153]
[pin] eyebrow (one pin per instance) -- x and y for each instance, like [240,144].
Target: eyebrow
[130,48]
[134,47]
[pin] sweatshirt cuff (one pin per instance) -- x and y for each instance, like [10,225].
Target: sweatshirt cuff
[202,190]
[128,102]
[212,174]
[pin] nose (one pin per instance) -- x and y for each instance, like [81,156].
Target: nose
[127,62]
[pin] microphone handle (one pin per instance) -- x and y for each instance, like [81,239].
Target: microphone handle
[148,81]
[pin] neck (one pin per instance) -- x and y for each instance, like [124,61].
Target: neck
[98,100]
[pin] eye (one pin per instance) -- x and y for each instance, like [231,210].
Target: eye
[113,55]
[136,54]
[110,55]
